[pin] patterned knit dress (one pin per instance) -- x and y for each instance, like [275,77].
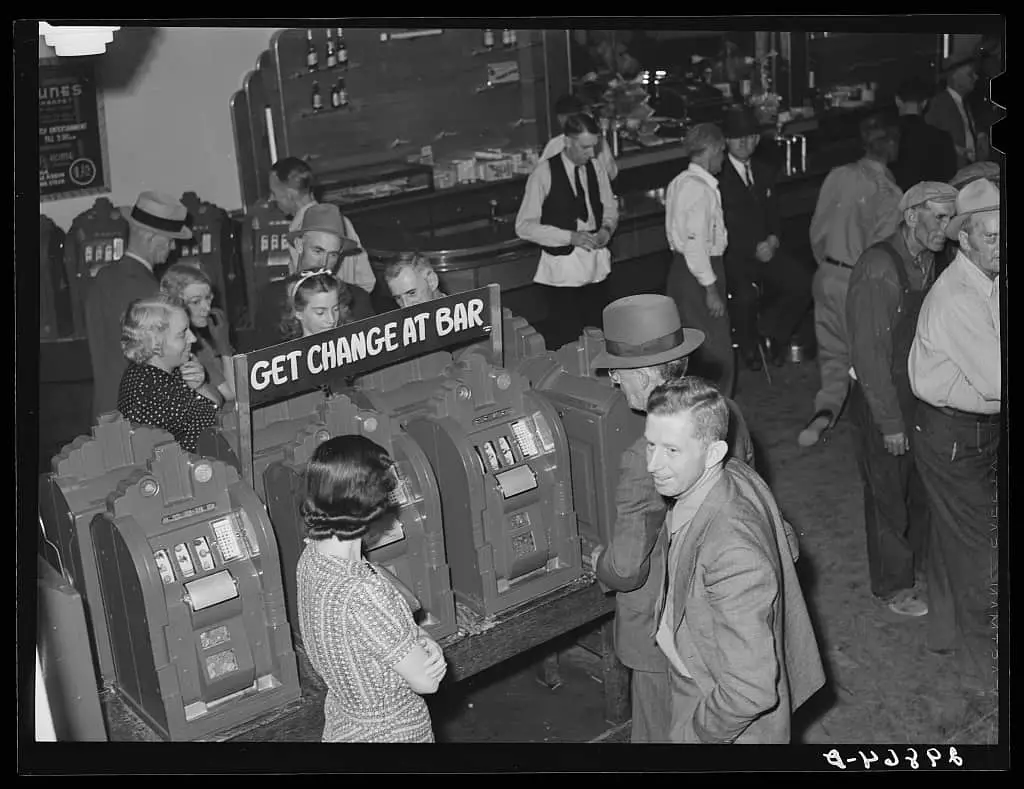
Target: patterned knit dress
[355,627]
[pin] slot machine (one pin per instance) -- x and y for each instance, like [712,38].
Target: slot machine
[83,475]
[502,461]
[403,388]
[410,545]
[265,249]
[273,426]
[54,296]
[520,341]
[209,249]
[599,425]
[189,571]
[97,237]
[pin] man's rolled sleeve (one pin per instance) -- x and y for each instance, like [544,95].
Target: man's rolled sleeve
[742,588]
[871,309]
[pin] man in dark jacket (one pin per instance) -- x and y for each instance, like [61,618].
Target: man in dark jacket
[886,290]
[764,282]
[154,222]
[926,152]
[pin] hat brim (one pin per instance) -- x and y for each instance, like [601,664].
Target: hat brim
[692,340]
[956,224]
[181,235]
[348,246]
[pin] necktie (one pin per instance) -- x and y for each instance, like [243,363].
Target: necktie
[581,199]
[970,123]
[750,175]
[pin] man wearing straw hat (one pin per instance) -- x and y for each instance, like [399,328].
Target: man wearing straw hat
[955,371]
[645,345]
[154,222]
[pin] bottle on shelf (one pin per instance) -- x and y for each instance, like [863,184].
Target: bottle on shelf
[332,57]
[506,38]
[488,39]
[335,96]
[342,49]
[342,92]
[318,102]
[312,59]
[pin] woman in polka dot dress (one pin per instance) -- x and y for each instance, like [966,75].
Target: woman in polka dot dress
[164,386]
[357,630]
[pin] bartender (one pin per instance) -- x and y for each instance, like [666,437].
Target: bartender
[291,184]
[570,105]
[569,210]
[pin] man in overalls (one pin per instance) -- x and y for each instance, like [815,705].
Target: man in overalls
[887,286]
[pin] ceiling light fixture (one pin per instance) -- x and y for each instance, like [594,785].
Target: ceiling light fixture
[76,41]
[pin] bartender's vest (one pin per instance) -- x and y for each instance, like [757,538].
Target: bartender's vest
[560,206]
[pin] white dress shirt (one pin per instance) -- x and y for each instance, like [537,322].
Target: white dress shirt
[354,269]
[741,168]
[955,357]
[583,266]
[693,221]
[958,100]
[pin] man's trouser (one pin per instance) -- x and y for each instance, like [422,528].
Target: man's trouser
[650,692]
[830,285]
[895,505]
[775,295]
[570,309]
[956,457]
[714,359]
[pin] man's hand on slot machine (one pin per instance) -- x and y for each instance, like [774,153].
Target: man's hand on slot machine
[590,562]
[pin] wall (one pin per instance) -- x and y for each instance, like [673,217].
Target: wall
[166,92]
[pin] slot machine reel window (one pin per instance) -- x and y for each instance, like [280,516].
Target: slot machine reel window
[229,539]
[533,435]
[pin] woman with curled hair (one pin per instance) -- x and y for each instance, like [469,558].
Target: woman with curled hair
[212,347]
[316,302]
[164,385]
[357,629]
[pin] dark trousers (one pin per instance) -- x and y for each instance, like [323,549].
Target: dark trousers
[775,295]
[572,309]
[956,457]
[651,706]
[715,358]
[896,514]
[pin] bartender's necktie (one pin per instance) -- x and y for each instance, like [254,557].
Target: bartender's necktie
[581,198]
[750,175]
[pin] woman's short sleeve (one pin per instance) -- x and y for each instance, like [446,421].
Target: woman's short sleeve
[384,622]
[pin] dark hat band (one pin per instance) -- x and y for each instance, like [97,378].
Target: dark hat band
[158,222]
[626,349]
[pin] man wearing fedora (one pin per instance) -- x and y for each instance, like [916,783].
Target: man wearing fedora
[955,371]
[697,236]
[887,287]
[291,184]
[950,111]
[730,618]
[321,243]
[645,346]
[766,284]
[857,206]
[154,223]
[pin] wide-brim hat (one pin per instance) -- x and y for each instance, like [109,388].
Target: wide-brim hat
[326,218]
[978,197]
[160,214]
[642,331]
[740,122]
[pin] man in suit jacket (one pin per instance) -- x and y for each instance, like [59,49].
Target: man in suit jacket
[154,222]
[950,111]
[762,280]
[733,623]
[645,345]
[926,152]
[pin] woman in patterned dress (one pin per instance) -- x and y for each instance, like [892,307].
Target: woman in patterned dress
[357,629]
[164,385]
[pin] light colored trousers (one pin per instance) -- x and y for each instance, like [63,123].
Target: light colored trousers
[830,285]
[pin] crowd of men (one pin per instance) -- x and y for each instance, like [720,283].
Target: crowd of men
[710,615]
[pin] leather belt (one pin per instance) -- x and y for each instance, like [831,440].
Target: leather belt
[955,413]
[839,263]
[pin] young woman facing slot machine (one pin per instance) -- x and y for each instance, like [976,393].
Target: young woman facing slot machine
[209,325]
[316,302]
[164,385]
[357,629]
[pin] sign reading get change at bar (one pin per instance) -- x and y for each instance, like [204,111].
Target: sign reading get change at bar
[300,365]
[72,135]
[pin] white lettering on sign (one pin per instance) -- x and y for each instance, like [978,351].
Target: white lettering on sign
[257,376]
[459,318]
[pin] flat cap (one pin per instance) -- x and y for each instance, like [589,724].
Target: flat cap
[925,191]
[973,172]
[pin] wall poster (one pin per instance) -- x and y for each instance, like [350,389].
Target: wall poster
[72,132]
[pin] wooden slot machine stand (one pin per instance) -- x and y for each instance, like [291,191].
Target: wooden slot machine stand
[485,636]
